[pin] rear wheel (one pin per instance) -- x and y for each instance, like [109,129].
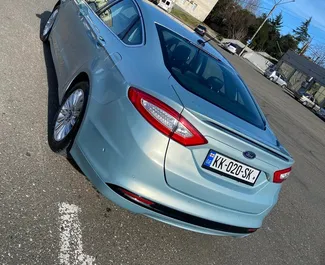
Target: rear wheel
[45,32]
[68,118]
[284,86]
[272,79]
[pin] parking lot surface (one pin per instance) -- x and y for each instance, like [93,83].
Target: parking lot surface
[50,214]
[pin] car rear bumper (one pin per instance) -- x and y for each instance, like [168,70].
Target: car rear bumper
[131,155]
[111,192]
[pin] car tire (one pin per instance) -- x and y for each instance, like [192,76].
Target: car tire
[304,103]
[47,28]
[284,86]
[271,79]
[68,118]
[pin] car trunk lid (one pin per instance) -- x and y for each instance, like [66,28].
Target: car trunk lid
[230,137]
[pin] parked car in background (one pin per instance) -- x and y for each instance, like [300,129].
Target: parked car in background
[275,77]
[167,5]
[308,100]
[201,30]
[230,47]
[178,137]
[321,113]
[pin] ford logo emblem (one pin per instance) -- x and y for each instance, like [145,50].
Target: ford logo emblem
[249,155]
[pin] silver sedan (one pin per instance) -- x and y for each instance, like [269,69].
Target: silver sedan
[159,121]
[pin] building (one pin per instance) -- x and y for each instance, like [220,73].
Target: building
[199,9]
[303,76]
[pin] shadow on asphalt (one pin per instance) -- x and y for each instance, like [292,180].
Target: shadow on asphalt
[53,99]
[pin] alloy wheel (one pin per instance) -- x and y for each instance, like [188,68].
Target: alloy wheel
[69,114]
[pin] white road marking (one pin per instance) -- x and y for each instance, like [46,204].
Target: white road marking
[71,249]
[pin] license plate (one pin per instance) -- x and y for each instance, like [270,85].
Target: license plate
[230,168]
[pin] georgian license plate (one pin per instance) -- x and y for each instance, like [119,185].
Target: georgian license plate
[230,168]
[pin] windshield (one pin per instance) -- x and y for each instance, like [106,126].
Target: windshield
[207,77]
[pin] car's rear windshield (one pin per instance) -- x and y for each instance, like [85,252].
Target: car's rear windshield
[207,77]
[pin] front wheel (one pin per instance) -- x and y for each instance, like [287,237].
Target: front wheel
[45,33]
[284,86]
[68,118]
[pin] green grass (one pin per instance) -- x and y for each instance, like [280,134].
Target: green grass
[185,17]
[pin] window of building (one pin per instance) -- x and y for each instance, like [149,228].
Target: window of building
[296,80]
[286,70]
[320,95]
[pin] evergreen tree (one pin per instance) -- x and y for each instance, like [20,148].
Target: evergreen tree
[277,23]
[301,34]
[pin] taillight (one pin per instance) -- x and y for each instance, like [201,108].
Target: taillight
[165,119]
[281,175]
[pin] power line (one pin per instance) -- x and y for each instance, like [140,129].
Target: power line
[293,14]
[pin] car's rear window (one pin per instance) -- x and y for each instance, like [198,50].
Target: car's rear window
[207,77]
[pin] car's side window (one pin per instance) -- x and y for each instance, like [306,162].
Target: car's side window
[96,5]
[124,20]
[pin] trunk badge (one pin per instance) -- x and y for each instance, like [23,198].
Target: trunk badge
[249,155]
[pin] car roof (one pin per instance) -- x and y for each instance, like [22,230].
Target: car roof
[153,14]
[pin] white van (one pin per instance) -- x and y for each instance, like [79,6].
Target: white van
[167,5]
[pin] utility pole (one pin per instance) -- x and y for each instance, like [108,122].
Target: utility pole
[279,48]
[276,4]
[305,47]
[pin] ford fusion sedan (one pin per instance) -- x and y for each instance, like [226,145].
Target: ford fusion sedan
[160,125]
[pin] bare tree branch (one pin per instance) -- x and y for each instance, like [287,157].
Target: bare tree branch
[317,54]
[252,5]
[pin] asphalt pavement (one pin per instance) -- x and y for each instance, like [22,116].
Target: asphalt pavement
[46,203]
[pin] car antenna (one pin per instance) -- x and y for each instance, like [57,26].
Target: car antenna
[202,42]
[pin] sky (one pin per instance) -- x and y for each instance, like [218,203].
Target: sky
[297,12]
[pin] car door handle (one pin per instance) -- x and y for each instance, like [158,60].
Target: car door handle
[101,41]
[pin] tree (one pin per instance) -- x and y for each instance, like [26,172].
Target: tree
[239,22]
[261,39]
[316,52]
[277,22]
[301,33]
[236,19]
[219,15]
[230,19]
[287,42]
[252,5]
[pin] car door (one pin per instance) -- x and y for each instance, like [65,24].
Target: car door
[312,102]
[124,37]
[84,41]
[309,101]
